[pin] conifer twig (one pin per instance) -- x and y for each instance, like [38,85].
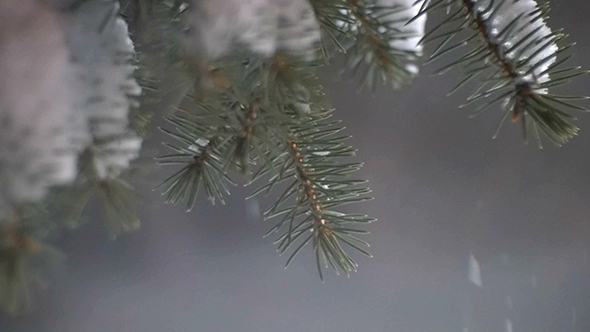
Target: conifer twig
[517,50]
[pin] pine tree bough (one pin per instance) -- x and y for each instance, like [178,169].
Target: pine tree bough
[101,51]
[67,87]
[504,46]
[520,50]
[34,154]
[271,126]
[24,261]
[254,106]
[326,231]
[380,46]
[81,98]
[260,26]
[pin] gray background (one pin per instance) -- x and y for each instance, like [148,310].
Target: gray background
[443,189]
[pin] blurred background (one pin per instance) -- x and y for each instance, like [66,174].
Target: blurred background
[444,191]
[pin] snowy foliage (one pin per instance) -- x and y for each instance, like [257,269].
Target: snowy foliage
[36,145]
[383,41]
[261,26]
[67,84]
[410,34]
[101,54]
[539,50]
[249,99]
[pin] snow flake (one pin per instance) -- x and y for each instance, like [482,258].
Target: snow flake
[474,271]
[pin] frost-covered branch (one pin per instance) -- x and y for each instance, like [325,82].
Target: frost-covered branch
[519,52]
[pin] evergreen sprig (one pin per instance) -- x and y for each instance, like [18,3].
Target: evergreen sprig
[203,153]
[230,126]
[371,34]
[332,15]
[372,54]
[115,195]
[270,124]
[265,116]
[26,264]
[316,183]
[515,65]
[155,28]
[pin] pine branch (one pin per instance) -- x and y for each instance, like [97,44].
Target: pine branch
[518,52]
[115,195]
[321,184]
[39,140]
[102,56]
[270,124]
[157,28]
[260,27]
[221,130]
[307,152]
[202,160]
[25,265]
[332,14]
[380,47]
